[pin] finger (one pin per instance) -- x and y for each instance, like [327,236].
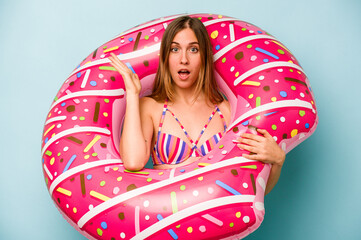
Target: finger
[252,136]
[247,148]
[250,142]
[251,156]
[264,132]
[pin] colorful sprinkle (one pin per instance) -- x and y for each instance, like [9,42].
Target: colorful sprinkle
[173,197]
[214,34]
[283,94]
[91,144]
[71,160]
[266,52]
[64,191]
[294,132]
[228,188]
[99,196]
[249,166]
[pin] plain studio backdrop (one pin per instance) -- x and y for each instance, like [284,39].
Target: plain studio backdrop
[41,41]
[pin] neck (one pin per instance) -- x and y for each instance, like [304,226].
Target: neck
[187,96]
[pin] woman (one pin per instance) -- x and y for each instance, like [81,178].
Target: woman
[186,113]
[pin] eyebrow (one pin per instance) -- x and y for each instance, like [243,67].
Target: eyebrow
[191,43]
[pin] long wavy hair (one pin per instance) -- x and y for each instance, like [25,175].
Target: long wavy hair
[163,85]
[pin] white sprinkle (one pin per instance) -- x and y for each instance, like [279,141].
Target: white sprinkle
[210,190]
[66,149]
[283,146]
[74,118]
[116,190]
[91,206]
[232,68]
[259,206]
[146,203]
[105,80]
[152,30]
[275,138]
[59,112]
[262,183]
[101,75]
[147,217]
[246,219]
[67,205]
[266,42]
[224,152]
[58,126]
[302,94]
[122,41]
[85,100]
[277,81]
[195,193]
[122,235]
[261,77]
[86,110]
[102,56]
[225,37]
[280,70]
[298,121]
[55,174]
[251,31]
[245,185]
[282,119]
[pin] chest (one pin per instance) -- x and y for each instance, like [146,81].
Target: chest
[198,123]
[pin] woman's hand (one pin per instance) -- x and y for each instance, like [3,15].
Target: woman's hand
[131,80]
[263,148]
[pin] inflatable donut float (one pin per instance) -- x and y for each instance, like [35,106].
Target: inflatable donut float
[221,196]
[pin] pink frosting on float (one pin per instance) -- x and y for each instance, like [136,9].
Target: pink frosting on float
[221,196]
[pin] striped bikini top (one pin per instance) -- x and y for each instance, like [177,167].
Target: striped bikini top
[170,149]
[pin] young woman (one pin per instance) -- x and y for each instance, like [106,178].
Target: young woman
[185,114]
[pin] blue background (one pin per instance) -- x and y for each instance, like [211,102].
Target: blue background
[41,42]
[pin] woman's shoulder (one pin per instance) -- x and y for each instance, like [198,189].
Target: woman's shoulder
[149,104]
[225,108]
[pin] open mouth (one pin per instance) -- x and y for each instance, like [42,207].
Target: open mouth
[183,74]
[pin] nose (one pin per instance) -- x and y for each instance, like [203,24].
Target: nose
[184,58]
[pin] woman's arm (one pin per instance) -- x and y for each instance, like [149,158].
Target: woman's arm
[265,149]
[137,128]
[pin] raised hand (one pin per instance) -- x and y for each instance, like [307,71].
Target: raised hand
[131,80]
[263,148]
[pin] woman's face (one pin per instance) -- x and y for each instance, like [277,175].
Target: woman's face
[185,59]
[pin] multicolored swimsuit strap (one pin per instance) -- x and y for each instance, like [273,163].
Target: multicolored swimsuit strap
[193,143]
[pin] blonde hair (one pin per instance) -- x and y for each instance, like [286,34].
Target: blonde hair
[163,85]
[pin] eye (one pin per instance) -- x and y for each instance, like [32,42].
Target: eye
[174,49]
[194,49]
